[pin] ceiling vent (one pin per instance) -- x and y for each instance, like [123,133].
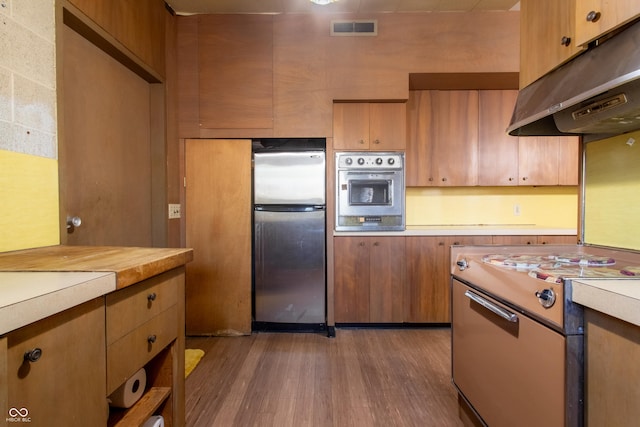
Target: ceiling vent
[354,28]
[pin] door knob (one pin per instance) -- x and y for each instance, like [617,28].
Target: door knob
[73,222]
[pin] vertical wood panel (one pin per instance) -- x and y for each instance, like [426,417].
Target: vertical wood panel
[218,228]
[235,60]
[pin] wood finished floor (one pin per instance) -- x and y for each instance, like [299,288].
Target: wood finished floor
[362,377]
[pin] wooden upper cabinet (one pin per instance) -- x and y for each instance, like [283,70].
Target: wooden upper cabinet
[235,59]
[497,150]
[454,159]
[551,160]
[547,37]
[375,126]
[442,148]
[598,17]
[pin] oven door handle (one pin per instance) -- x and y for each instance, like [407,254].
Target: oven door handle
[505,314]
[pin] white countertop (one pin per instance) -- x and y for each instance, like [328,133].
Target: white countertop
[619,298]
[465,230]
[26,297]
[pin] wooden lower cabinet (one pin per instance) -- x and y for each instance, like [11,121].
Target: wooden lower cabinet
[427,289]
[535,240]
[368,279]
[612,373]
[64,383]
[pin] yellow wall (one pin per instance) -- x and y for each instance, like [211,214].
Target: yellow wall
[29,196]
[540,207]
[612,192]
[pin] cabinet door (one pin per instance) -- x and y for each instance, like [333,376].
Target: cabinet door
[557,240]
[386,279]
[455,148]
[388,126]
[515,240]
[547,29]
[569,160]
[420,137]
[66,385]
[538,160]
[351,126]
[427,292]
[497,151]
[427,288]
[351,279]
[608,16]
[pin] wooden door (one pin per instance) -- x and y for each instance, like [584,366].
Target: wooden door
[351,126]
[425,296]
[420,138]
[497,151]
[218,228]
[386,279]
[387,126]
[455,155]
[105,155]
[351,279]
[538,160]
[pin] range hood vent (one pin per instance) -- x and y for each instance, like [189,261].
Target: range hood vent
[597,94]
[355,28]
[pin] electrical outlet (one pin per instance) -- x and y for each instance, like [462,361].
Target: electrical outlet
[174,211]
[516,210]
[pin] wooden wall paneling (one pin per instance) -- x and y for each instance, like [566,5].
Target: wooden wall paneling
[497,151]
[105,157]
[137,25]
[218,228]
[173,176]
[187,74]
[301,103]
[235,59]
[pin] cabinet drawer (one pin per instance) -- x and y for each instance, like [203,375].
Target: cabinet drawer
[132,306]
[128,354]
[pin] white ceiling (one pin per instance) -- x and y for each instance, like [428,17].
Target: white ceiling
[188,7]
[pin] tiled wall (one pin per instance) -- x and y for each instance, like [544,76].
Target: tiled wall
[28,132]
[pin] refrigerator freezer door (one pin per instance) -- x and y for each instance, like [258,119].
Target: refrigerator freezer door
[289,178]
[290,267]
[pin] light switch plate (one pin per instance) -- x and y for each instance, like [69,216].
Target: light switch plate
[174,210]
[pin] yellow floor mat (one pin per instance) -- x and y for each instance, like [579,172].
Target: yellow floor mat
[191,359]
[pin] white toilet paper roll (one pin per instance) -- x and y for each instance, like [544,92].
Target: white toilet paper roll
[154,421]
[129,392]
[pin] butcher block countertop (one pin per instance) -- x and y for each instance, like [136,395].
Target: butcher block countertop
[130,264]
[37,283]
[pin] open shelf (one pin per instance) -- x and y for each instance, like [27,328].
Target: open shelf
[142,410]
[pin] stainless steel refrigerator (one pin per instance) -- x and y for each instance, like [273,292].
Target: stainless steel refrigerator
[289,237]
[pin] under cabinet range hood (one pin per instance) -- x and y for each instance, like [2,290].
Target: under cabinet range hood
[597,94]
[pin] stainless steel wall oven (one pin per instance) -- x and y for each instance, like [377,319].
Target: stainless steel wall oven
[370,191]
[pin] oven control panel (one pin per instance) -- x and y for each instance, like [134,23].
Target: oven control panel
[369,160]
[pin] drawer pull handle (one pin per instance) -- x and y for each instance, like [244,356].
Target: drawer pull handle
[33,355]
[505,314]
[152,296]
[151,339]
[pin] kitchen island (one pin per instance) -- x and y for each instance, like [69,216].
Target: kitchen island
[77,322]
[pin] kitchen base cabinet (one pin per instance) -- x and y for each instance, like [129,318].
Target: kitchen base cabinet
[427,289]
[368,279]
[535,240]
[56,369]
[612,351]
